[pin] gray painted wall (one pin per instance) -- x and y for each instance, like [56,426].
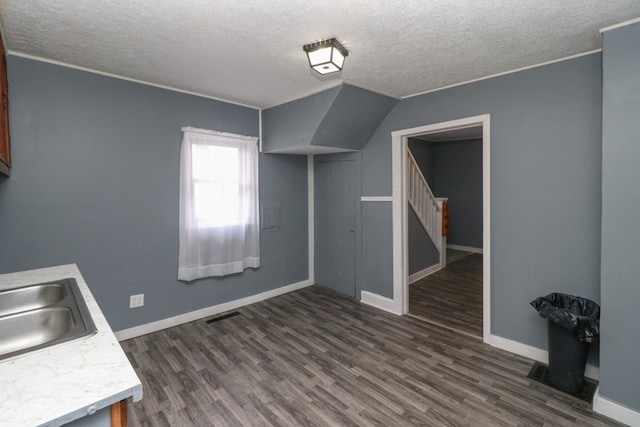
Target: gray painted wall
[422,251]
[457,174]
[95,182]
[353,117]
[423,153]
[293,124]
[453,169]
[343,117]
[545,175]
[376,235]
[620,334]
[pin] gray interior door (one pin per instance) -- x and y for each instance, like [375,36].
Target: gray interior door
[335,225]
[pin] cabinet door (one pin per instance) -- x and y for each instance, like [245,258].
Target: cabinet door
[5,146]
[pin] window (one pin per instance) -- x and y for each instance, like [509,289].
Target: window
[219,230]
[216,186]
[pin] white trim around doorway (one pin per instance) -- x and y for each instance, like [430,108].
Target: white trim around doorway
[399,143]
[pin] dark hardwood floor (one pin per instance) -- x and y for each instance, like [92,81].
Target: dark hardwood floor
[317,358]
[451,297]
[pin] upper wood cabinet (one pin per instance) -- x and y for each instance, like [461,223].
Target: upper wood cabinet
[5,144]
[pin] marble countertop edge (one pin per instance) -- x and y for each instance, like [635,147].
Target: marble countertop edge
[61,383]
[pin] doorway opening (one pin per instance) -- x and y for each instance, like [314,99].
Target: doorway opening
[445,265]
[400,142]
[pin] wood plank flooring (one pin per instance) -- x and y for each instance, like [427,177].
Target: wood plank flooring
[451,297]
[316,358]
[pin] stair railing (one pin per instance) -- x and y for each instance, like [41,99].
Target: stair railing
[427,207]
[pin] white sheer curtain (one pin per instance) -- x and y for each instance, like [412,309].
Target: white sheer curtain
[219,230]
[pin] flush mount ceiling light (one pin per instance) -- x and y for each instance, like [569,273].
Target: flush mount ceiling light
[326,56]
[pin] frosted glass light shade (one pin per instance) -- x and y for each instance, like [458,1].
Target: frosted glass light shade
[326,56]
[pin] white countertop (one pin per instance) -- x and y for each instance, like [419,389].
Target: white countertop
[55,385]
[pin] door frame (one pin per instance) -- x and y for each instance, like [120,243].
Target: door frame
[399,144]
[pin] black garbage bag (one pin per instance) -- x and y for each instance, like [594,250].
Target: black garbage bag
[575,314]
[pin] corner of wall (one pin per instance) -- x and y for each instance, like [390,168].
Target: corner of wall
[379,302]
[148,328]
[614,410]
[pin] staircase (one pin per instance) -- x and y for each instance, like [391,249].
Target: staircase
[431,211]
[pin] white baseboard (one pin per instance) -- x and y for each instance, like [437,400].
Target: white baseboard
[519,348]
[169,322]
[424,273]
[534,353]
[380,302]
[615,410]
[465,248]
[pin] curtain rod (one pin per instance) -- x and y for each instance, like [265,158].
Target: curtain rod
[218,133]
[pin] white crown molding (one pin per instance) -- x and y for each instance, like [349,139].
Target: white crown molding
[517,70]
[370,89]
[331,86]
[306,94]
[169,322]
[619,25]
[117,76]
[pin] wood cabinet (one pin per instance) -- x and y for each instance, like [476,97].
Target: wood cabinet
[5,144]
[119,414]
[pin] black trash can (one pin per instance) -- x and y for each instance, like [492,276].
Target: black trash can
[573,323]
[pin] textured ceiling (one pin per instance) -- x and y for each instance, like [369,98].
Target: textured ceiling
[250,52]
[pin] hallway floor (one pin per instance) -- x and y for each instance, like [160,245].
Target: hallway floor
[451,297]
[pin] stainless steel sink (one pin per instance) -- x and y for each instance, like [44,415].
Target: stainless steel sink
[38,316]
[30,297]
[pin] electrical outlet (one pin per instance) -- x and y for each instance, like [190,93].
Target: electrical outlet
[136,301]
